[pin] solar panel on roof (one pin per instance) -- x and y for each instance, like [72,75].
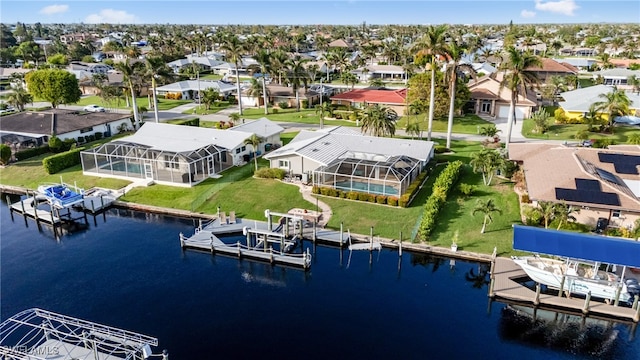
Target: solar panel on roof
[586,196]
[588,184]
[605,175]
[622,163]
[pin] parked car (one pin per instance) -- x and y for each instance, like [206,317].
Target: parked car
[93,108]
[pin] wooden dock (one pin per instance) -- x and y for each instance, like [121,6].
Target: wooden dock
[205,239]
[28,208]
[504,285]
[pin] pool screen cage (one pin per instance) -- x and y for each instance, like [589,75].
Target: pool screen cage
[130,160]
[389,177]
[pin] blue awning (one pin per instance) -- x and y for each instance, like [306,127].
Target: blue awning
[576,245]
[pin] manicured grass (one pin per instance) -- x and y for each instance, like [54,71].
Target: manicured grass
[467,124]
[305,116]
[202,110]
[568,132]
[288,136]
[163,104]
[210,77]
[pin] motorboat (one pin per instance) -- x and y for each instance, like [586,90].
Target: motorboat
[41,334]
[61,195]
[578,277]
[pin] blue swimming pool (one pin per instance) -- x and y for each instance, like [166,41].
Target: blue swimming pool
[363,186]
[121,166]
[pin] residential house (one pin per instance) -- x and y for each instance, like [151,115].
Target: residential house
[67,39]
[360,98]
[579,63]
[489,99]
[33,128]
[93,68]
[89,87]
[576,103]
[175,154]
[345,159]
[383,72]
[616,77]
[188,89]
[278,94]
[340,43]
[551,68]
[601,183]
[204,63]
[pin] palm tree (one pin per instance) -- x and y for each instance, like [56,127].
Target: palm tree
[413,129]
[634,81]
[486,161]
[209,97]
[156,68]
[255,141]
[379,120]
[264,60]
[517,79]
[591,117]
[454,67]
[256,89]
[548,211]
[233,49]
[614,103]
[563,213]
[432,44]
[19,98]
[129,71]
[349,78]
[297,75]
[485,208]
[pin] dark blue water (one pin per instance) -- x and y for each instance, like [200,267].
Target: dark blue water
[130,272]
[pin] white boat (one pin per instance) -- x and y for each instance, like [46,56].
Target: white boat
[61,195]
[39,334]
[579,277]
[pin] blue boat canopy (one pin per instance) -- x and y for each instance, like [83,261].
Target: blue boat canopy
[575,245]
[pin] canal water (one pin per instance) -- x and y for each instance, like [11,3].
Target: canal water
[128,270]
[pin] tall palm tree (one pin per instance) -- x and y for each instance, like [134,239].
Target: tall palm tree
[255,141]
[485,208]
[432,44]
[234,49]
[379,120]
[156,68]
[614,103]
[264,60]
[548,211]
[297,75]
[19,98]
[129,72]
[517,79]
[455,52]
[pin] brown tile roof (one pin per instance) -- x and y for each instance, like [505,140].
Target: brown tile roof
[66,121]
[549,166]
[550,65]
[483,94]
[374,96]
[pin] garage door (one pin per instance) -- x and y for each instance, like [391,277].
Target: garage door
[503,112]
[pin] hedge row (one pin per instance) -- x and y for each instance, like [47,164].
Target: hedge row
[58,162]
[413,188]
[29,153]
[356,195]
[270,173]
[441,188]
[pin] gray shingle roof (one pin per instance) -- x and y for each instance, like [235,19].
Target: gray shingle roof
[581,99]
[66,121]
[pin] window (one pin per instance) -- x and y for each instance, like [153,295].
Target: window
[223,156]
[86,130]
[283,164]
[238,151]
[170,164]
[615,213]
[244,148]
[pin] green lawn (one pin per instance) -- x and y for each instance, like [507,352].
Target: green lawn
[288,136]
[163,104]
[467,124]
[201,110]
[29,173]
[568,132]
[305,116]
[210,77]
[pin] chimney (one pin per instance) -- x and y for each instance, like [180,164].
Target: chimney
[54,124]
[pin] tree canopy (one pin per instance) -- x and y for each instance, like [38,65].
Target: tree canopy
[53,85]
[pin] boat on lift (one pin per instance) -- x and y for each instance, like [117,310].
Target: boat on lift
[61,195]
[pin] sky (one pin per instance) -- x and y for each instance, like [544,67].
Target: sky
[304,12]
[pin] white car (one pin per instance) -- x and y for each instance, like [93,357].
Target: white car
[93,108]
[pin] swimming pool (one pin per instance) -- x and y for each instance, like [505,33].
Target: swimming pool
[121,166]
[362,186]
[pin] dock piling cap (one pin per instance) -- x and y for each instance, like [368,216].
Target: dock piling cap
[244,231]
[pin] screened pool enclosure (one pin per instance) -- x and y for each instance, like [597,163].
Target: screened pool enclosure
[135,161]
[389,177]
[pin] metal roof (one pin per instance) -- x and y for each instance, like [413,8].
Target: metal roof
[262,127]
[581,99]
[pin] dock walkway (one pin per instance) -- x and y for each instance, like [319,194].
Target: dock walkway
[29,208]
[505,286]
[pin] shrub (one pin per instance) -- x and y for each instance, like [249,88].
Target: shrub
[283,105]
[58,162]
[5,154]
[270,173]
[441,188]
[352,195]
[525,199]
[343,194]
[560,116]
[68,144]
[315,189]
[55,144]
[187,122]
[275,111]
[381,199]
[324,191]
[27,153]
[466,189]
[403,201]
[603,143]
[80,139]
[363,196]
[532,217]
[392,200]
[304,103]
[371,198]
[440,149]
[582,135]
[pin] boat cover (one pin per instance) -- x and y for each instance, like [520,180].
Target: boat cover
[600,248]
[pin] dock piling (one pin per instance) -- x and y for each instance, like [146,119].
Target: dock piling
[636,316]
[400,245]
[10,208]
[635,302]
[618,290]
[564,278]
[536,300]
[585,309]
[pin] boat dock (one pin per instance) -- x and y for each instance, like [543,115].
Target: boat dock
[205,239]
[506,273]
[28,208]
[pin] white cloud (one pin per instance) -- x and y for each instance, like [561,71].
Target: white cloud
[564,7]
[54,9]
[527,14]
[111,16]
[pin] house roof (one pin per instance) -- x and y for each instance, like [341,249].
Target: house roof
[617,73]
[396,97]
[262,127]
[550,65]
[285,91]
[339,43]
[187,85]
[180,138]
[66,121]
[325,146]
[488,88]
[551,171]
[5,73]
[381,69]
[581,99]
